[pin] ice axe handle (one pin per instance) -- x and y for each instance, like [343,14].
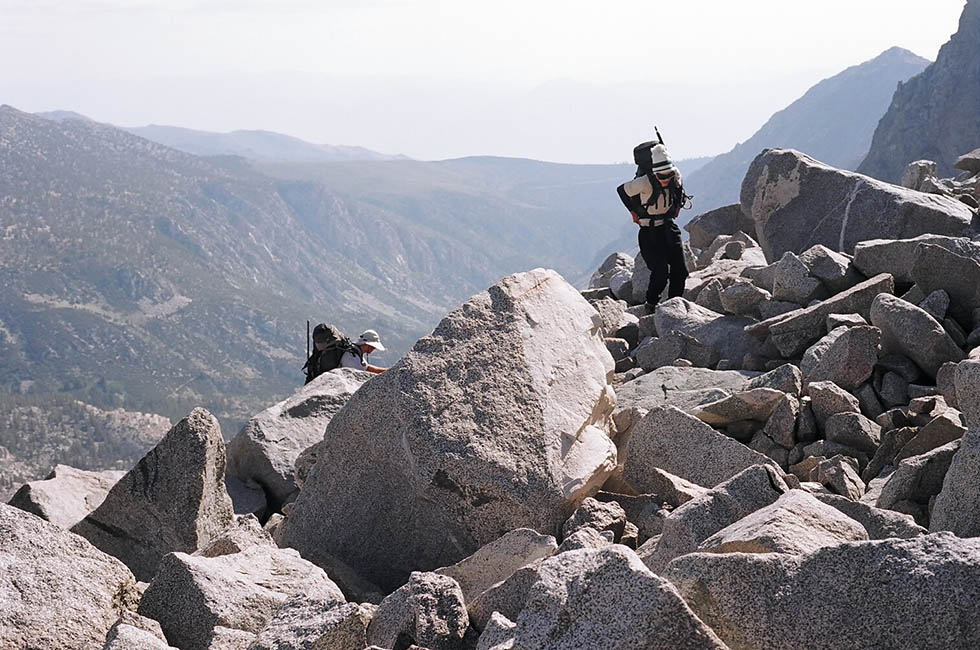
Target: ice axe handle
[659,137]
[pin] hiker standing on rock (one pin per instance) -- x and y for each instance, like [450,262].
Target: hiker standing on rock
[654,198]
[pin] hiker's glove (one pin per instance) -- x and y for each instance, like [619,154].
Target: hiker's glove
[636,219]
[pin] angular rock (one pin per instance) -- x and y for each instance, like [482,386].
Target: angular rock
[794,332]
[917,172]
[685,388]
[58,592]
[936,304]
[670,489]
[601,516]
[618,348]
[680,444]
[827,399]
[796,202]
[781,425]
[702,517]
[173,500]
[853,430]
[709,296]
[664,351]
[868,588]
[129,637]
[894,390]
[611,266]
[428,611]
[498,634]
[633,608]
[705,227]
[585,538]
[967,380]
[877,522]
[266,448]
[498,560]
[793,282]
[67,495]
[918,479]
[957,506]
[244,533]
[613,315]
[833,269]
[935,267]
[754,404]
[795,523]
[897,257]
[942,430]
[868,401]
[315,623]
[190,595]
[845,356]
[840,477]
[892,442]
[455,456]
[968,162]
[743,299]
[723,333]
[787,378]
[509,596]
[247,497]
[908,330]
[639,281]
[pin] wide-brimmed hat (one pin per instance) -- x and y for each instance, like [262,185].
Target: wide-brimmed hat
[370,337]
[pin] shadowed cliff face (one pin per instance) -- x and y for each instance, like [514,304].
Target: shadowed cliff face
[934,116]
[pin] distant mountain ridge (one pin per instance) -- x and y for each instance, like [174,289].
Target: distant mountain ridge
[833,122]
[936,115]
[134,275]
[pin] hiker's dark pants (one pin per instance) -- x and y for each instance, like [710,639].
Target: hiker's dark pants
[663,252]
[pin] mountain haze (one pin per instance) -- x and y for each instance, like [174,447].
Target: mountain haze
[833,122]
[137,276]
[936,115]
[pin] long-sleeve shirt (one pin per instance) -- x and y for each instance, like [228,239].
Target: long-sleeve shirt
[637,192]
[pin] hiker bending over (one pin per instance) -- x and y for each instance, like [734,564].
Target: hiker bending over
[331,349]
[654,198]
[356,355]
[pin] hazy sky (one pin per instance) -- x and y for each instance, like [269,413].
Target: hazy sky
[573,81]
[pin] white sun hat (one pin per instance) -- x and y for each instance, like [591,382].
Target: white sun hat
[370,337]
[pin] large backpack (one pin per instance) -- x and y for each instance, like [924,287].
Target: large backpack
[328,358]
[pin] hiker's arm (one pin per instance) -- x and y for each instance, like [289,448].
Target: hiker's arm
[374,369]
[631,202]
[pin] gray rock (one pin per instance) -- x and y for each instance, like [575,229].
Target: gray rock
[700,518]
[58,592]
[907,329]
[955,332]
[845,356]
[795,523]
[67,495]
[794,332]
[498,560]
[874,592]
[611,266]
[796,202]
[935,267]
[456,458]
[968,162]
[833,269]
[173,500]
[853,430]
[685,388]
[827,399]
[877,522]
[601,516]
[509,596]
[894,418]
[892,441]
[315,623]
[709,296]
[723,333]
[743,299]
[639,281]
[664,351]
[754,404]
[923,410]
[585,538]
[618,348]
[828,449]
[428,611]
[917,172]
[613,315]
[606,599]
[781,425]
[841,477]
[774,308]
[191,595]
[680,444]
[266,448]
[918,479]
[897,257]
[943,429]
[705,227]
[957,506]
[901,365]
[894,390]
[670,489]
[793,282]
[245,532]
[787,378]
[844,320]
[498,634]
[936,304]
[868,400]
[806,423]
[129,637]
[967,380]
[247,497]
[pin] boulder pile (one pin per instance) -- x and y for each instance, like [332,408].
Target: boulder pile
[552,468]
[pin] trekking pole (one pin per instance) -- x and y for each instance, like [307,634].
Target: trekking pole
[659,137]
[307,338]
